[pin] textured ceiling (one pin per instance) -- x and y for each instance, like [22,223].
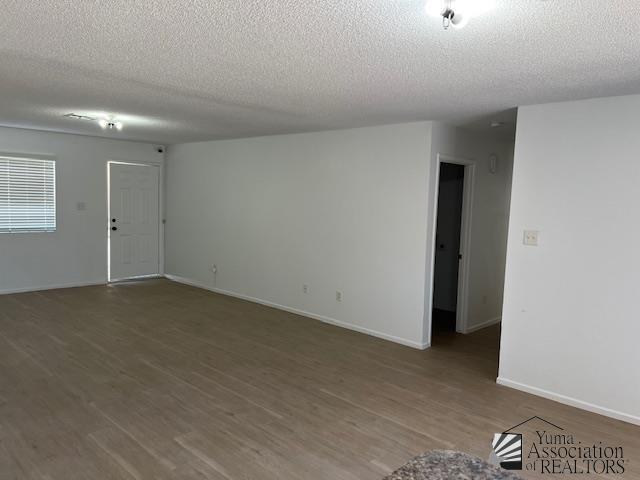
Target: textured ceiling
[177,71]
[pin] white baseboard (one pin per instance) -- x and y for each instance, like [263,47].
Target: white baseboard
[52,287]
[574,402]
[485,324]
[322,318]
[137,279]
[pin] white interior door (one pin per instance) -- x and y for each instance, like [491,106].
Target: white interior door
[133,220]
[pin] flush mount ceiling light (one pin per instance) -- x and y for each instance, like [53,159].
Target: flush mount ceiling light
[456,13]
[110,123]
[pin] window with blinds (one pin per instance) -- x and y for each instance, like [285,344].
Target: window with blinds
[27,195]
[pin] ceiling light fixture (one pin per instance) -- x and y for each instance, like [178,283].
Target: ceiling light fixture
[456,13]
[110,124]
[106,122]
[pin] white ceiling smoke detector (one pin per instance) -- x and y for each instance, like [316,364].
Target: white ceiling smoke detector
[457,13]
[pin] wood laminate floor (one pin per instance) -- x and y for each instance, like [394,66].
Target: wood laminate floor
[156,380]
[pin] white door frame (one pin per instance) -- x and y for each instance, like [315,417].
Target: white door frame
[462,311]
[159,166]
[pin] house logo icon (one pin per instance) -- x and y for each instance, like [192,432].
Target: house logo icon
[507,448]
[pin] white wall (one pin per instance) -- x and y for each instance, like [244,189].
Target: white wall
[76,253]
[489,224]
[344,210]
[341,210]
[571,318]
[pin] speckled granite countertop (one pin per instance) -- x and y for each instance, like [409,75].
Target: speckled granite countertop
[446,464]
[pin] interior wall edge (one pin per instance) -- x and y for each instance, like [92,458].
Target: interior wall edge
[322,318]
[571,401]
[485,324]
[58,286]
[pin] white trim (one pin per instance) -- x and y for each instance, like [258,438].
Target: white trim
[53,287]
[137,278]
[138,164]
[322,318]
[465,241]
[27,156]
[481,325]
[574,402]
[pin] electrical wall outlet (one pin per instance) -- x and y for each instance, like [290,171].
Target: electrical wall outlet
[214,269]
[531,238]
[338,296]
[305,288]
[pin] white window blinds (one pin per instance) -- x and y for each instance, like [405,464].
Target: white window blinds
[27,195]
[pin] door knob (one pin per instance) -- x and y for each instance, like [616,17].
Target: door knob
[114,228]
[113,219]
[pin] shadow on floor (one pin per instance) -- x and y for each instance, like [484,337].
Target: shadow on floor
[478,351]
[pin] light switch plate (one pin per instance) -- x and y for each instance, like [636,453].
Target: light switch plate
[531,238]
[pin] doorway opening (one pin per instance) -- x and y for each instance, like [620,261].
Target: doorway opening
[451,246]
[133,225]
